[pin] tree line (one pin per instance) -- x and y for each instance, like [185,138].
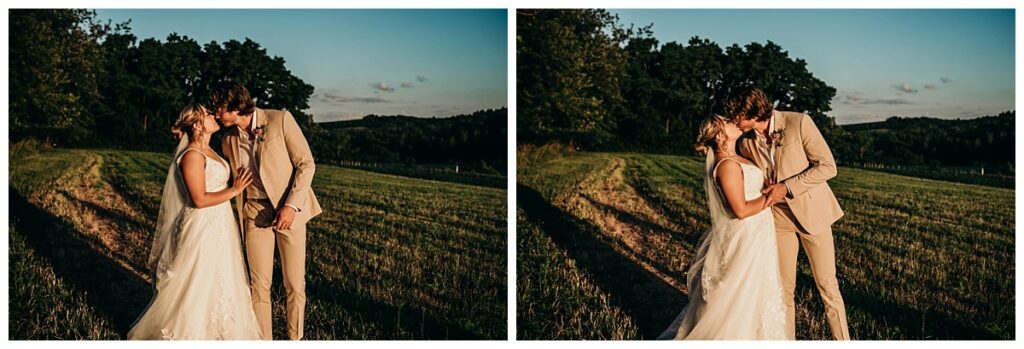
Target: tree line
[585,79]
[588,81]
[986,141]
[76,81]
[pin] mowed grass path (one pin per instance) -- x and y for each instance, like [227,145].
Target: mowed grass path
[609,236]
[390,258]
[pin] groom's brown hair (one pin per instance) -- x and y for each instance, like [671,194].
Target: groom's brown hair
[231,96]
[749,102]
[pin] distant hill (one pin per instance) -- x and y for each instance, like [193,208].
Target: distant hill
[986,141]
[474,141]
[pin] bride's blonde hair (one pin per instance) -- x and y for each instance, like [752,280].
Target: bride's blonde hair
[707,133]
[190,122]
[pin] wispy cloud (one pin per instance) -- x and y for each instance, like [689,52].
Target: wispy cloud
[945,80]
[328,96]
[858,100]
[382,87]
[407,84]
[905,87]
[930,86]
[422,78]
[364,100]
[332,96]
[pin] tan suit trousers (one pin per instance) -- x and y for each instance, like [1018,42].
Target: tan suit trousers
[260,237]
[821,253]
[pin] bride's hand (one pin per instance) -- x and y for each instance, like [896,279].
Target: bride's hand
[242,180]
[774,193]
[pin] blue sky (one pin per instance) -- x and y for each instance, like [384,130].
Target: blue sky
[412,62]
[915,62]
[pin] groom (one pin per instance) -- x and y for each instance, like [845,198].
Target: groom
[790,150]
[278,203]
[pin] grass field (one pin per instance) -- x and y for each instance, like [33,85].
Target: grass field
[390,258]
[604,241]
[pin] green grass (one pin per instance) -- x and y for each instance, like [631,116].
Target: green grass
[390,258]
[916,258]
[43,300]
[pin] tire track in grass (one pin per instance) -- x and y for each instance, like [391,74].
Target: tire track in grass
[630,220]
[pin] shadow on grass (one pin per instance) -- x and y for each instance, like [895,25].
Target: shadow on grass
[399,320]
[916,323]
[115,292]
[124,225]
[908,321]
[645,226]
[648,300]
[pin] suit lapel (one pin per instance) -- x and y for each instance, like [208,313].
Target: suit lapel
[259,143]
[261,121]
[780,125]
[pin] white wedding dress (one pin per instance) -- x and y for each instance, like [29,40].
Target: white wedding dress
[200,284]
[734,286]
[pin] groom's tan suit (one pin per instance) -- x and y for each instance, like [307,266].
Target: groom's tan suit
[282,166]
[803,161]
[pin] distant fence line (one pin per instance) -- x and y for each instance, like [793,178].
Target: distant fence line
[453,172]
[428,167]
[959,170]
[970,175]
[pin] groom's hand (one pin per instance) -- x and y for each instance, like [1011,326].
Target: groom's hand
[285,217]
[775,193]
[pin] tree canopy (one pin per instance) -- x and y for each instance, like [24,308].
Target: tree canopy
[78,82]
[585,79]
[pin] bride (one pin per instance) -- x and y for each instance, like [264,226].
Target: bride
[734,286]
[199,279]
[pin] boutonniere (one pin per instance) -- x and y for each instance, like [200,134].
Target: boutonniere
[775,138]
[259,131]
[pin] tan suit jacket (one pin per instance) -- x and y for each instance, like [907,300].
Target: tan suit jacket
[286,164]
[804,162]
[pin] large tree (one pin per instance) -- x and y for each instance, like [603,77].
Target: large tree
[268,80]
[55,62]
[786,81]
[569,70]
[692,75]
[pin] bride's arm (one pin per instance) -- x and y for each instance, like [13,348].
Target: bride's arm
[730,178]
[193,170]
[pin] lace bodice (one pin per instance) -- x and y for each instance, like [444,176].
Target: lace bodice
[753,179]
[217,173]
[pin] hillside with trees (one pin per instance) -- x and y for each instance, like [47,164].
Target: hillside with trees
[474,141]
[929,141]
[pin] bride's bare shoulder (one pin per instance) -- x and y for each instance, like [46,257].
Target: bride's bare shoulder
[727,165]
[192,157]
